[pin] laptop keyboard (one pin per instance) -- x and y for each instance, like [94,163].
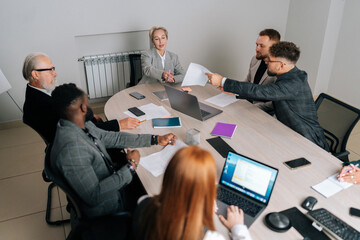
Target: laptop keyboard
[230,198]
[204,113]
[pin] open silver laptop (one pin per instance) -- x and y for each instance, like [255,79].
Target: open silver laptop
[247,184]
[189,105]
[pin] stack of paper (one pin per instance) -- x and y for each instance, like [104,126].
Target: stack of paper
[330,186]
[222,99]
[156,163]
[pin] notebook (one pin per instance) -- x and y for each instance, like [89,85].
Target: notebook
[241,185]
[189,105]
[223,130]
[330,186]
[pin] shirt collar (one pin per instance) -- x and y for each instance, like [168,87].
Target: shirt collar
[40,89]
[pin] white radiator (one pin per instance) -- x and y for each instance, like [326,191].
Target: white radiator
[107,74]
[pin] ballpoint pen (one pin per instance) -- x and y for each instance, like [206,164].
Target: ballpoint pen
[142,121]
[351,168]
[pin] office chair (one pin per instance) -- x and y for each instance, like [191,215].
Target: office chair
[51,186]
[82,227]
[338,120]
[135,69]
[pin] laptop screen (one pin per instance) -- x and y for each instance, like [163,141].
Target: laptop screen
[249,177]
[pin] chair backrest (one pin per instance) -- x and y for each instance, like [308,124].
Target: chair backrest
[52,175]
[135,69]
[337,119]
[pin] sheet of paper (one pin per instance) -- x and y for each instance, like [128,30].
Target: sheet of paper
[330,186]
[156,163]
[195,75]
[222,99]
[151,111]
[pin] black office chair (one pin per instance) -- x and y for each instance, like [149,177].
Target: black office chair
[51,186]
[82,227]
[135,69]
[338,120]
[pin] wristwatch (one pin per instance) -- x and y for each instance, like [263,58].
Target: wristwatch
[133,161]
[154,139]
[131,168]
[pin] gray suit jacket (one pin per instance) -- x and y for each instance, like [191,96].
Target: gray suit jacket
[152,67]
[266,79]
[75,156]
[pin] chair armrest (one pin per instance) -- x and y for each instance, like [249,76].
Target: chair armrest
[343,156]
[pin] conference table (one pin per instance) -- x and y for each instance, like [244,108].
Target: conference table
[258,136]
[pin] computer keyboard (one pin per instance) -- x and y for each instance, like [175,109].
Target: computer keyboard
[333,225]
[204,113]
[230,198]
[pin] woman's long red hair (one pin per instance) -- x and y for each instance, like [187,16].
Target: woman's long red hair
[186,201]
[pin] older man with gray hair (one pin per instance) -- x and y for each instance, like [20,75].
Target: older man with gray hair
[39,114]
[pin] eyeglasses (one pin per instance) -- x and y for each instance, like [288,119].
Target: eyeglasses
[267,61]
[45,69]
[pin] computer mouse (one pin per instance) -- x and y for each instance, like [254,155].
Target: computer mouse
[309,203]
[278,222]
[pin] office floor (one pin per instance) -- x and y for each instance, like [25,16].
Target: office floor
[24,193]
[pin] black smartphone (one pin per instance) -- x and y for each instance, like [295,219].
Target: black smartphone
[137,95]
[296,163]
[137,112]
[221,146]
[354,212]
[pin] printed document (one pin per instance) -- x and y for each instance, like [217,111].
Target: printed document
[222,99]
[330,186]
[151,111]
[195,75]
[156,163]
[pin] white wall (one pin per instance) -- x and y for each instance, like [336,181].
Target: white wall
[329,46]
[306,25]
[218,34]
[345,77]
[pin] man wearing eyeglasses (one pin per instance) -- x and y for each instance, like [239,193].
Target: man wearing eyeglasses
[38,111]
[291,94]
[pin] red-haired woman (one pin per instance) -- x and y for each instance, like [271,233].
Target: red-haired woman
[185,206]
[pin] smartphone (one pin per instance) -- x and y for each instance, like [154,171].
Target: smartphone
[220,146]
[354,212]
[296,163]
[137,95]
[137,112]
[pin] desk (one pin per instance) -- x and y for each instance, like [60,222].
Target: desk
[258,136]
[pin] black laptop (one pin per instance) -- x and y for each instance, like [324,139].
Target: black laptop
[247,184]
[189,105]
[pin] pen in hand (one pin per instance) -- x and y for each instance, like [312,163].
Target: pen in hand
[348,170]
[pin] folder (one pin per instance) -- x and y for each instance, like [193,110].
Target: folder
[224,130]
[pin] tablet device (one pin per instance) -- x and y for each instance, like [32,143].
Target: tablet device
[166,122]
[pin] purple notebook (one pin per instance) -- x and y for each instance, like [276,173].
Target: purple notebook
[224,130]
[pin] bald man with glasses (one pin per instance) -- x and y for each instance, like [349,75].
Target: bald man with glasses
[39,114]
